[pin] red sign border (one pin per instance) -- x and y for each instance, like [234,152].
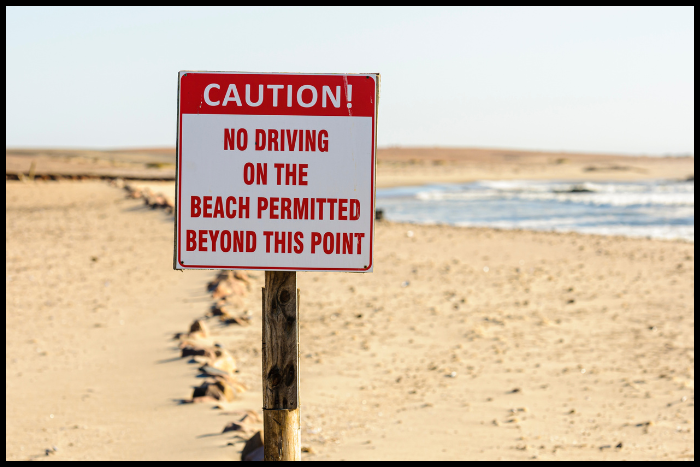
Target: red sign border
[177,259]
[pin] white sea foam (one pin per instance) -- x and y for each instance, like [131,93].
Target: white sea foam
[596,193]
[638,209]
[663,231]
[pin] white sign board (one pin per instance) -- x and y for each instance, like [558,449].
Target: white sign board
[276,171]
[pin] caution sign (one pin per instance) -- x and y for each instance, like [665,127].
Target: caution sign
[276,171]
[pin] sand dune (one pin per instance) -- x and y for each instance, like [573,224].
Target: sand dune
[416,166]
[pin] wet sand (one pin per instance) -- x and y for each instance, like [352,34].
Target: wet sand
[463,344]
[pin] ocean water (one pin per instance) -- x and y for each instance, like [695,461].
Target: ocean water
[654,209]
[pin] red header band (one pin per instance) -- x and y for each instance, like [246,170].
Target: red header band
[277,94]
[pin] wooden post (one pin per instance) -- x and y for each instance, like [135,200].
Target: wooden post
[280,366]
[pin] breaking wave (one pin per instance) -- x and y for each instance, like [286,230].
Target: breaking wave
[656,209]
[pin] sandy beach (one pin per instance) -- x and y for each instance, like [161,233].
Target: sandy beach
[465,343]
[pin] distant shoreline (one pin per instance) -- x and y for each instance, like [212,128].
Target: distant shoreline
[171,150]
[395,166]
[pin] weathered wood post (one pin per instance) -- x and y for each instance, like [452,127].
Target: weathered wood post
[280,366]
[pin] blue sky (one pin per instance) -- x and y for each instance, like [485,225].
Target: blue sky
[576,79]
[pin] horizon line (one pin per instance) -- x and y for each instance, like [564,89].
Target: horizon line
[384,147]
